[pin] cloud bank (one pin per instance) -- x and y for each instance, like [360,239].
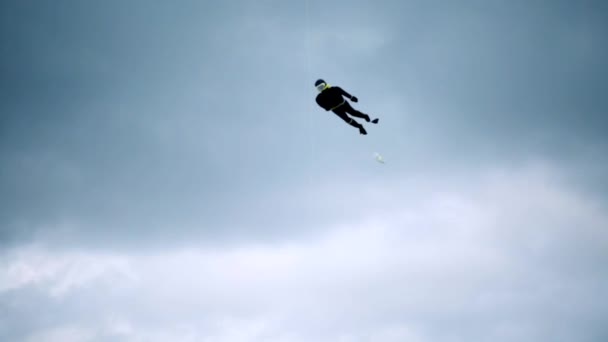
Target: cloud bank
[518,256]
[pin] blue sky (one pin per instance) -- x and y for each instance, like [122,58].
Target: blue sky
[166,174]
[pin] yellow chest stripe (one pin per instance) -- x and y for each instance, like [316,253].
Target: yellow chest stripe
[339,105]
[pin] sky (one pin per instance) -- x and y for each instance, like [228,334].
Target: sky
[165,174]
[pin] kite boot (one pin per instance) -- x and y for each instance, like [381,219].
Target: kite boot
[367,118]
[357,125]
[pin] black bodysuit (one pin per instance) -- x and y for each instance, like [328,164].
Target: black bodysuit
[332,99]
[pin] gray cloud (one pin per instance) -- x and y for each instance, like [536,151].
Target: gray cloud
[150,116]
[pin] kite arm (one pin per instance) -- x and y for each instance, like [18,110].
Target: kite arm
[349,96]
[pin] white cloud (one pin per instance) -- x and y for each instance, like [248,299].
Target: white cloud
[59,273]
[62,334]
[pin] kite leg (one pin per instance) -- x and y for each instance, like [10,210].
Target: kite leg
[352,111]
[342,114]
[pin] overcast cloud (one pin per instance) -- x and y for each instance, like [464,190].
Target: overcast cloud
[165,174]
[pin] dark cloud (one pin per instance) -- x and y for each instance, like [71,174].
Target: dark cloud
[134,125]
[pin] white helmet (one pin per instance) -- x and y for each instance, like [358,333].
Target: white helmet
[320,85]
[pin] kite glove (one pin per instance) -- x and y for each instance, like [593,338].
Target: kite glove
[354,99]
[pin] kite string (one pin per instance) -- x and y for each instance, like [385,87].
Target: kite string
[308,77]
